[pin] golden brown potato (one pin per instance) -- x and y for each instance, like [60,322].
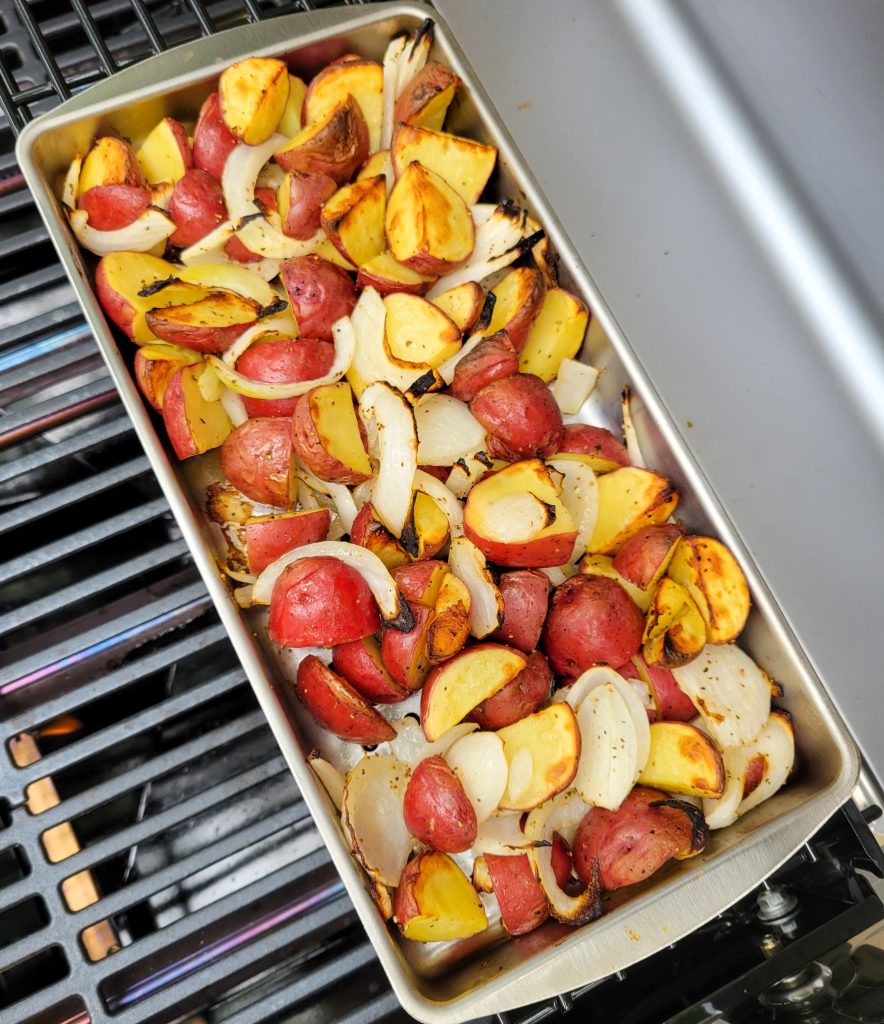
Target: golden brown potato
[110,161]
[194,423]
[426,98]
[674,631]
[335,146]
[387,276]
[463,304]
[683,760]
[450,627]
[629,499]
[253,95]
[429,227]
[466,165]
[417,331]
[353,218]
[361,79]
[435,901]
[715,581]
[165,154]
[211,324]
[519,300]
[325,433]
[556,334]
[542,752]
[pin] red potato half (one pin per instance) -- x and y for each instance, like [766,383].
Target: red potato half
[522,902]
[257,459]
[464,163]
[114,206]
[426,98]
[438,811]
[283,360]
[211,324]
[361,79]
[387,276]
[153,375]
[110,161]
[253,94]
[405,655]
[525,594]
[326,436]
[519,298]
[492,359]
[337,706]
[673,704]
[420,582]
[353,219]
[435,901]
[212,139]
[234,248]
[337,145]
[369,532]
[521,417]
[591,620]
[319,292]
[196,206]
[268,537]
[644,557]
[361,664]
[597,445]
[194,424]
[321,602]
[165,154]
[299,202]
[521,697]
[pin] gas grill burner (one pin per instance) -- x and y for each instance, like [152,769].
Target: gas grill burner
[156,861]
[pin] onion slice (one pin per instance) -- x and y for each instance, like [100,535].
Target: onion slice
[148,229]
[394,608]
[345,343]
[234,407]
[629,435]
[730,691]
[574,383]
[561,815]
[466,472]
[411,746]
[501,834]
[480,763]
[609,748]
[392,58]
[468,563]
[278,322]
[446,430]
[446,369]
[71,184]
[332,780]
[210,248]
[393,441]
[580,496]
[427,484]
[373,818]
[339,494]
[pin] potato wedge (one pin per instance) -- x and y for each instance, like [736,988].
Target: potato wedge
[557,333]
[429,227]
[437,810]
[110,161]
[253,96]
[369,532]
[675,632]
[290,123]
[416,331]
[421,582]
[426,98]
[519,299]
[629,499]
[193,423]
[353,219]
[466,165]
[542,751]
[683,759]
[644,557]
[361,79]
[603,565]
[337,706]
[405,654]
[463,304]
[427,532]
[436,902]
[325,433]
[387,276]
[299,201]
[165,154]
[715,581]
[450,628]
[211,324]
[335,145]
[597,446]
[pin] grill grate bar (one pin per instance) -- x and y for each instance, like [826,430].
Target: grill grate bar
[168,761]
[383,1005]
[18,425]
[76,444]
[36,364]
[88,25]
[43,51]
[16,112]
[64,497]
[108,683]
[80,540]
[207,26]
[91,586]
[158,44]
[103,640]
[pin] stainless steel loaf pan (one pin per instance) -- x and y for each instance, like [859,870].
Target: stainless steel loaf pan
[454,983]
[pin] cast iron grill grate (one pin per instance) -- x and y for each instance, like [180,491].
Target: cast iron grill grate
[156,862]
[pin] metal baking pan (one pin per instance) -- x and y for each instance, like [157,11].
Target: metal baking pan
[456,982]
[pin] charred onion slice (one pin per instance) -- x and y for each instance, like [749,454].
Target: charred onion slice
[393,607]
[629,435]
[149,228]
[71,184]
[277,324]
[392,440]
[345,343]
[730,691]
[446,430]
[372,816]
[468,563]
[580,496]
[427,484]
[561,815]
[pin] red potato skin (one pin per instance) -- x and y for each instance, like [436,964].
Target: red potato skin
[494,358]
[645,552]
[175,417]
[522,902]
[283,361]
[308,445]
[267,540]
[439,472]
[153,376]
[197,207]
[321,602]
[112,302]
[110,207]
[257,458]
[369,532]
[437,810]
[673,703]
[200,339]
[591,620]
[234,247]
[404,904]
[359,662]
[307,193]
[521,417]
[525,594]
[337,706]
[521,696]
[433,78]
[212,139]
[544,551]
[561,859]
[582,439]
[631,843]
[385,286]
[405,654]
[414,580]
[319,292]
[338,150]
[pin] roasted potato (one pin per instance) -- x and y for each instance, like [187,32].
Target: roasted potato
[420,582]
[211,324]
[683,759]
[525,594]
[197,207]
[253,95]
[153,375]
[319,292]
[556,333]
[110,161]
[369,532]
[257,459]
[449,628]
[212,139]
[361,79]
[388,276]
[194,423]
[465,164]
[542,751]
[426,98]
[361,664]
[268,537]
[597,445]
[629,500]
[326,436]
[494,358]
[463,304]
[435,901]
[336,145]
[521,417]
[114,206]
[715,581]
[437,810]
[337,706]
[521,899]
[405,654]
[283,360]
[353,219]
[165,154]
[519,299]
[644,557]
[299,202]
[521,696]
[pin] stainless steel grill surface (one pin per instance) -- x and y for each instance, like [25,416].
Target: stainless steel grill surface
[156,861]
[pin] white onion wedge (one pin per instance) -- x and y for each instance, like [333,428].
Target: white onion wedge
[558,573]
[392,58]
[412,747]
[466,472]
[393,607]
[730,691]
[561,815]
[479,762]
[372,360]
[373,818]
[345,343]
[70,186]
[427,484]
[339,494]
[446,430]
[776,745]
[332,780]
[468,563]
[574,383]
[580,496]
[609,747]
[629,435]
[392,440]
[362,492]
[414,56]
[210,248]
[149,228]
[501,834]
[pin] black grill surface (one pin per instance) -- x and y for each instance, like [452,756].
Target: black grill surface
[157,864]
